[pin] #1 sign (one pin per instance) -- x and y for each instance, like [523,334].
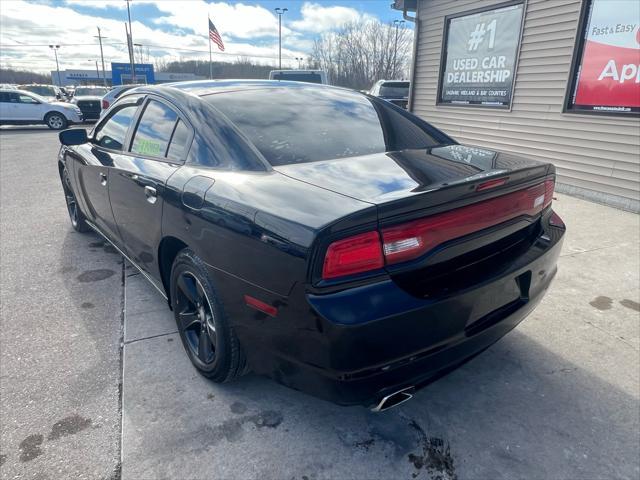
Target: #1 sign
[480,57]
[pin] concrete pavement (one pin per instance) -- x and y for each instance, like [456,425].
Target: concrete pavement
[60,325]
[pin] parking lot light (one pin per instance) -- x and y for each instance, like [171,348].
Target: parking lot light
[280,12]
[55,51]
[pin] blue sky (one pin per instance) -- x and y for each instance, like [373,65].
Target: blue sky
[171,30]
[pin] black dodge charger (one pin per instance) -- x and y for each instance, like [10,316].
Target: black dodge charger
[317,235]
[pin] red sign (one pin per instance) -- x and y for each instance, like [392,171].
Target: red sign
[609,75]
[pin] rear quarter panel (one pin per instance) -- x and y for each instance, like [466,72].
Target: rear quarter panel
[256,226]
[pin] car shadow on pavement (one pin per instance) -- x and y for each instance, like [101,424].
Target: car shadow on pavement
[517,410]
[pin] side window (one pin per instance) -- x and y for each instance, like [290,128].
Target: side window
[5,97]
[177,147]
[27,99]
[112,133]
[154,130]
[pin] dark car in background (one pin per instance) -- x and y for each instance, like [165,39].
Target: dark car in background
[89,101]
[394,91]
[317,235]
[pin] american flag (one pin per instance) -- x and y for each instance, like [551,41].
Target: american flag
[215,36]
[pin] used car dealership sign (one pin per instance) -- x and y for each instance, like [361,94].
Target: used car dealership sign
[480,57]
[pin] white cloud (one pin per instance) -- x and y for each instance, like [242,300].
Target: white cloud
[25,23]
[317,18]
[237,20]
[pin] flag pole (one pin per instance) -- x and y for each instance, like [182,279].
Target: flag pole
[209,37]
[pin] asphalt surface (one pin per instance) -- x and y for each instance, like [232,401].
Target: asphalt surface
[557,398]
[61,298]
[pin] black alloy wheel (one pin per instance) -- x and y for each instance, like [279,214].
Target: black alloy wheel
[197,319]
[75,215]
[204,328]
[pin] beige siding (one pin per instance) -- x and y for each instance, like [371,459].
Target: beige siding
[593,154]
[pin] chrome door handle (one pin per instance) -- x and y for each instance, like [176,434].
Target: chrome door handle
[103,179]
[151,194]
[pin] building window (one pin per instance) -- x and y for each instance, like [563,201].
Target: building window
[479,56]
[605,74]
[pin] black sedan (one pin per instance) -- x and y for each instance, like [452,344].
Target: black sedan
[317,235]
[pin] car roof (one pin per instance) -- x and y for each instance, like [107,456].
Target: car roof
[207,87]
[17,90]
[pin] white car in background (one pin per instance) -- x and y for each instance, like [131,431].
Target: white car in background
[115,92]
[51,93]
[18,107]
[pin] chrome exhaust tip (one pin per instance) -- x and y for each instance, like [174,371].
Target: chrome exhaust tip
[394,399]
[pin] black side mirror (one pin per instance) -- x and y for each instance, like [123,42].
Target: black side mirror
[74,136]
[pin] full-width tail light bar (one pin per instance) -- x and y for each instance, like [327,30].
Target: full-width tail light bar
[372,250]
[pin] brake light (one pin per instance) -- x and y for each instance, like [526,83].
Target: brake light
[549,186]
[491,184]
[410,240]
[400,243]
[105,104]
[357,254]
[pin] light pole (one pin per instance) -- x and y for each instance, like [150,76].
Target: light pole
[133,68]
[97,69]
[299,59]
[139,45]
[280,12]
[397,23]
[55,51]
[104,75]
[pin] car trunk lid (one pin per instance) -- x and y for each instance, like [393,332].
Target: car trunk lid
[405,183]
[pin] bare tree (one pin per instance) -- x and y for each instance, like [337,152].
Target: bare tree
[362,52]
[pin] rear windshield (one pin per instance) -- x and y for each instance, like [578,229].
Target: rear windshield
[308,77]
[91,92]
[305,124]
[394,89]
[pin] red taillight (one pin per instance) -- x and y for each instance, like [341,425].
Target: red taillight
[549,185]
[410,240]
[352,255]
[105,104]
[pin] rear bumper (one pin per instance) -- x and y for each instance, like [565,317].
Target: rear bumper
[359,345]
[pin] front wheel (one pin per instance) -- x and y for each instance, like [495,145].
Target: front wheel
[206,334]
[75,214]
[56,121]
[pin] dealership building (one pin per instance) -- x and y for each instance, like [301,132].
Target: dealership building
[553,80]
[119,74]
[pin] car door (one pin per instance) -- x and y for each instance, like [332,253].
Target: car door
[8,106]
[94,162]
[137,185]
[28,108]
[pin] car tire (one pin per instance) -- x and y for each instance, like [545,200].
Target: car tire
[78,220]
[204,328]
[56,121]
